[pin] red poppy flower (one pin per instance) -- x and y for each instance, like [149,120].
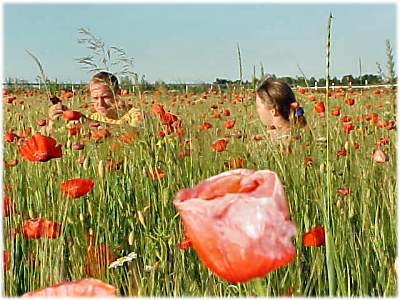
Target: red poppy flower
[238,223]
[308,160]
[9,137]
[40,227]
[40,148]
[68,95]
[157,109]
[389,125]
[349,101]
[76,188]
[345,119]
[377,92]
[100,134]
[8,206]
[341,152]
[311,98]
[343,191]
[128,137]
[6,260]
[219,145]
[185,244]
[88,287]
[347,127]
[319,107]
[382,141]
[258,137]
[202,115]
[315,237]
[379,156]
[168,118]
[71,115]
[97,259]
[301,90]
[229,124]
[234,163]
[161,133]
[41,122]
[11,163]
[154,174]
[226,112]
[206,125]
[335,112]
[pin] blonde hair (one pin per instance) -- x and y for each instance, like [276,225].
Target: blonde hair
[277,94]
[106,78]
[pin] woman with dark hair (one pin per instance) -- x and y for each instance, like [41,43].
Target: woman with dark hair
[278,110]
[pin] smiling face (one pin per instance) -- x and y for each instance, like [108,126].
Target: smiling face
[102,99]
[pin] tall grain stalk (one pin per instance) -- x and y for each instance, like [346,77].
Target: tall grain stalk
[327,215]
[240,65]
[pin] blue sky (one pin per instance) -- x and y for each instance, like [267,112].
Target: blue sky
[196,43]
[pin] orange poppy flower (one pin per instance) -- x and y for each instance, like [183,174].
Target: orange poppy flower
[185,244]
[345,119]
[226,112]
[229,124]
[40,148]
[335,112]
[319,107]
[155,173]
[207,125]
[68,95]
[343,191]
[40,227]
[157,109]
[219,145]
[71,115]
[308,160]
[347,127]
[41,122]
[8,206]
[9,137]
[341,152]
[349,101]
[315,237]
[258,137]
[11,163]
[311,98]
[76,188]
[88,287]
[6,260]
[238,223]
[100,134]
[234,163]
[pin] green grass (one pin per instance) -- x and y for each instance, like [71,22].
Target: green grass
[362,228]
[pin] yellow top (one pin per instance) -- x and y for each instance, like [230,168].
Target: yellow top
[130,118]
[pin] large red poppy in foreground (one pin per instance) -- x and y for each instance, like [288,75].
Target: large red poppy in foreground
[79,288]
[238,223]
[40,148]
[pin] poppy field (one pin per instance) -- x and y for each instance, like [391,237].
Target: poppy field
[92,201]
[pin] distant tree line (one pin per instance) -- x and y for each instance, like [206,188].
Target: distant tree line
[345,80]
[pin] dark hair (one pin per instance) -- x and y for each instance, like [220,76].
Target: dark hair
[277,94]
[106,78]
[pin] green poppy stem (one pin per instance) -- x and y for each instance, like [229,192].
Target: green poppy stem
[259,287]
